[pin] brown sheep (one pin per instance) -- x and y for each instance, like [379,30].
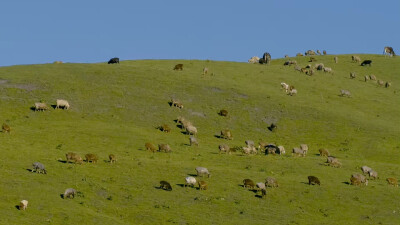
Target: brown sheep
[71,156]
[164,128]
[6,128]
[164,148]
[358,179]
[323,152]
[352,75]
[392,181]
[247,183]
[223,112]
[165,185]
[193,141]
[112,158]
[224,148]
[91,158]
[150,147]
[313,180]
[226,134]
[178,67]
[203,185]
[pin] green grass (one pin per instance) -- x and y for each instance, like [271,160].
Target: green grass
[116,109]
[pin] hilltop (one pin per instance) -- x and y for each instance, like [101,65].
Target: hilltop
[116,109]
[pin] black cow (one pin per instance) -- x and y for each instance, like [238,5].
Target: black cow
[366,62]
[113,60]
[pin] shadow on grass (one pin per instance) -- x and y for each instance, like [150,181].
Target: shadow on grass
[62,196]
[304,183]
[180,185]
[258,196]
[346,182]
[62,161]
[192,175]
[17,207]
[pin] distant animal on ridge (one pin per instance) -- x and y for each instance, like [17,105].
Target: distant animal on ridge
[388,51]
[178,67]
[113,60]
[366,62]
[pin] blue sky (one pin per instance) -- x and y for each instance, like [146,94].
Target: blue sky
[86,31]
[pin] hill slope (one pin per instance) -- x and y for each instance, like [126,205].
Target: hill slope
[116,109]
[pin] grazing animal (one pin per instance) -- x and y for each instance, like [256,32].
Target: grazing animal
[286,56]
[345,93]
[373,174]
[193,141]
[247,183]
[309,52]
[313,180]
[366,78]
[263,193]
[387,84]
[352,75]
[319,66]
[223,112]
[333,161]
[266,59]
[178,67]
[205,70]
[62,104]
[358,179]
[299,54]
[355,58]
[292,92]
[40,106]
[39,168]
[273,127]
[319,52]
[324,52]
[201,171]
[327,70]
[176,103]
[191,130]
[271,149]
[71,156]
[164,148]
[254,60]
[165,185]
[113,60]
[365,169]
[388,51]
[323,152]
[372,77]
[381,82]
[260,185]
[69,193]
[366,62]
[150,147]
[290,62]
[112,158]
[285,87]
[224,148]
[164,128]
[6,128]
[203,185]
[392,181]
[226,134]
[298,151]
[271,182]
[190,181]
[281,150]
[304,147]
[336,59]
[249,150]
[91,158]
[185,124]
[312,59]
[249,143]
[23,205]
[57,62]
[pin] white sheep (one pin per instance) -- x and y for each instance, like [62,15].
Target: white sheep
[190,181]
[285,86]
[62,103]
[23,205]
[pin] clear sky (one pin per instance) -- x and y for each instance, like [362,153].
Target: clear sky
[84,31]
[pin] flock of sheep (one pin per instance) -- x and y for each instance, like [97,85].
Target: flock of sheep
[250,148]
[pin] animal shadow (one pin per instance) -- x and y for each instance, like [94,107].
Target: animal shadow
[180,185]
[62,161]
[53,106]
[218,136]
[30,170]
[62,196]
[17,207]
[192,175]
[346,182]
[258,196]
[32,108]
[304,183]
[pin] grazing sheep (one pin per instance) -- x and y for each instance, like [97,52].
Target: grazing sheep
[249,150]
[69,193]
[224,148]
[327,70]
[387,84]
[345,93]
[313,180]
[164,148]
[304,147]
[223,112]
[319,66]
[40,106]
[319,52]
[254,59]
[309,52]
[392,181]
[57,62]
[298,151]
[205,70]
[366,62]
[310,72]
[91,158]
[185,124]
[372,77]
[263,193]
[180,119]
[71,156]
[39,168]
[62,104]
[178,67]
[5,128]
[324,52]
[203,185]
[150,147]
[292,92]
[312,59]
[191,130]
[165,185]
[201,171]
[285,87]
[271,149]
[358,179]
[323,152]
[190,181]
[249,143]
[381,82]
[352,75]
[355,58]
[299,54]
[176,103]
[260,185]
[281,150]
[286,56]
[23,205]
[365,169]
[112,158]
[226,134]
[290,62]
[373,174]
[247,183]
[193,141]
[271,182]
[333,161]
[336,59]
[262,145]
[298,68]
[366,78]
[164,128]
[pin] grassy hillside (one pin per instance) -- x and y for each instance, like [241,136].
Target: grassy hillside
[116,109]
